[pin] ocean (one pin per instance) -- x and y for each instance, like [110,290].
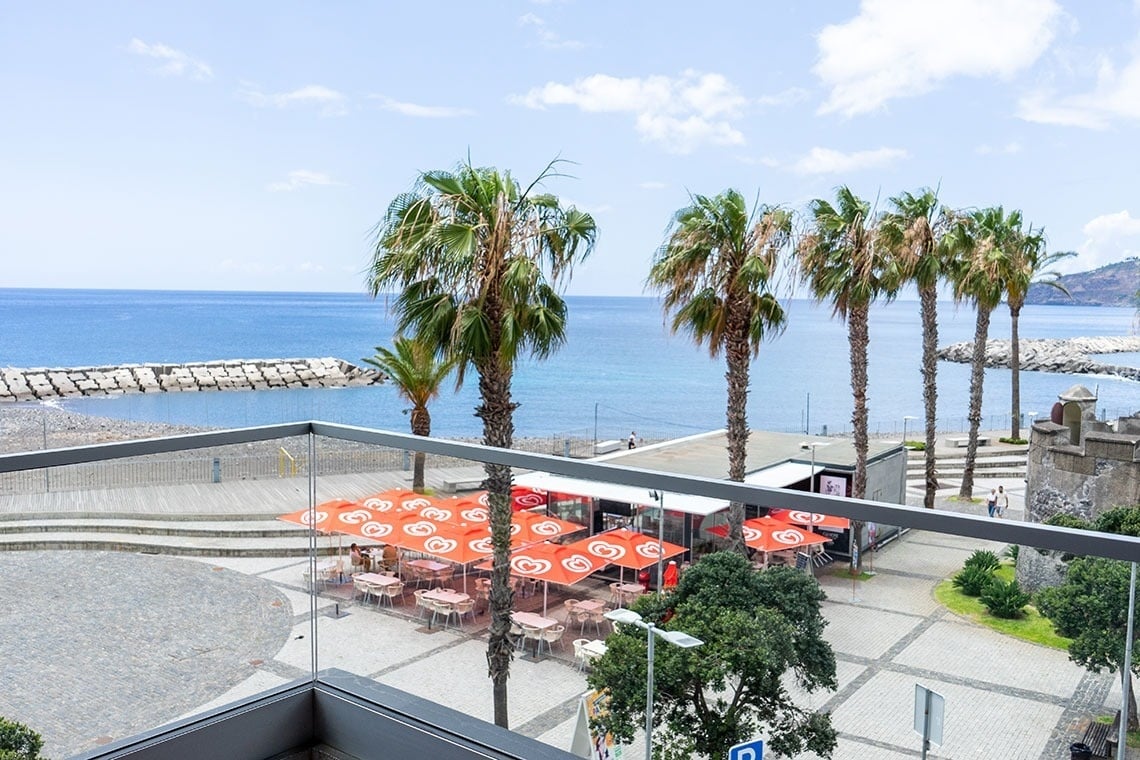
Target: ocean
[620,370]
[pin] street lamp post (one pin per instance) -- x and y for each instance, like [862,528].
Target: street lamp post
[812,447]
[660,499]
[677,638]
[906,419]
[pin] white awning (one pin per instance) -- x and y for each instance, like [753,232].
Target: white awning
[782,475]
[677,502]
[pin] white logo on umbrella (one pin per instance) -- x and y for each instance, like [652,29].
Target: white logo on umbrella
[416,503]
[435,513]
[475,515]
[528,500]
[648,550]
[481,545]
[310,519]
[605,550]
[380,505]
[420,528]
[515,528]
[530,566]
[577,563]
[546,528]
[375,529]
[789,536]
[355,516]
[484,499]
[751,534]
[805,517]
[440,545]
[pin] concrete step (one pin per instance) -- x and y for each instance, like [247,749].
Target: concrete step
[183,528]
[201,546]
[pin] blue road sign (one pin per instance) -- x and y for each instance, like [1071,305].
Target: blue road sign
[747,751]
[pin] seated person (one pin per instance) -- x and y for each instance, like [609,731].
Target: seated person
[358,559]
[389,558]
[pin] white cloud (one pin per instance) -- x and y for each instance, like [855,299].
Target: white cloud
[828,161]
[331,102]
[1108,238]
[1010,148]
[1116,96]
[902,48]
[300,178]
[174,62]
[546,37]
[787,97]
[679,114]
[420,111]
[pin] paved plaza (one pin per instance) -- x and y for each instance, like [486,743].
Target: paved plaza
[98,646]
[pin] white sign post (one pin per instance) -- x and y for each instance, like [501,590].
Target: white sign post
[928,709]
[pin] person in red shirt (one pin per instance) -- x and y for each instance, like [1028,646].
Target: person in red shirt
[671,574]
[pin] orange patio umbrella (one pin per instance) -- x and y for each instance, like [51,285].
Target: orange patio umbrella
[324,517]
[397,500]
[532,528]
[552,563]
[627,548]
[522,498]
[768,534]
[810,519]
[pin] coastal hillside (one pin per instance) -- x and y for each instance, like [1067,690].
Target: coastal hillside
[1111,285]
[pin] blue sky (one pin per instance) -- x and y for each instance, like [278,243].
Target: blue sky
[252,146]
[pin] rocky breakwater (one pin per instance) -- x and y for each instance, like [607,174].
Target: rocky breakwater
[248,374]
[1073,356]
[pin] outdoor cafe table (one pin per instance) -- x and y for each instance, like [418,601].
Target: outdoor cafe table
[444,597]
[533,620]
[430,565]
[595,648]
[592,605]
[376,579]
[630,591]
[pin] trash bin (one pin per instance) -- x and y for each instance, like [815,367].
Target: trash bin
[1080,751]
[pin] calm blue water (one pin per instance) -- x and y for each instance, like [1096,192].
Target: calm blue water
[620,360]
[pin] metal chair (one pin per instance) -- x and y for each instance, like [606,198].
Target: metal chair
[391,591]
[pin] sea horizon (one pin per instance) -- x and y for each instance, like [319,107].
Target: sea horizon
[620,369]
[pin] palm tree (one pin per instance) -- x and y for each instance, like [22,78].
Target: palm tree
[979,240]
[914,230]
[478,259]
[840,261]
[714,270]
[417,375]
[1026,263]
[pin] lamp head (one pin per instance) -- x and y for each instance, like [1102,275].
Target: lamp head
[622,615]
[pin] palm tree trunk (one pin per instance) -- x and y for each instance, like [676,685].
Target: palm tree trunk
[1015,373]
[421,425]
[497,412]
[928,302]
[737,356]
[859,338]
[977,379]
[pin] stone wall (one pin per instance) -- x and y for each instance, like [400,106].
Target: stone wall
[248,374]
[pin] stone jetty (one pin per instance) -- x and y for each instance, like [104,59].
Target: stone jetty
[241,374]
[1073,356]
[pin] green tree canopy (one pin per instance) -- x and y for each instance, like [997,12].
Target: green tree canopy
[756,628]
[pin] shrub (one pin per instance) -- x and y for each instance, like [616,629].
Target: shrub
[983,559]
[1124,521]
[1014,441]
[1065,520]
[1012,551]
[19,742]
[915,445]
[1004,600]
[973,580]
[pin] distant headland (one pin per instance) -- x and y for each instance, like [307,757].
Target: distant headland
[1110,285]
[239,374]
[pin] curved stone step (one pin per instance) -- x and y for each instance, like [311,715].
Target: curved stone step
[202,546]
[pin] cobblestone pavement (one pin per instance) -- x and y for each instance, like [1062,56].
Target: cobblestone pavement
[101,645]
[98,646]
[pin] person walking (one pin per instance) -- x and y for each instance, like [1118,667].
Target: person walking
[1002,501]
[991,501]
[633,439]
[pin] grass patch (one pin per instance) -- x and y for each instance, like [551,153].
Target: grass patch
[1014,441]
[1032,627]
